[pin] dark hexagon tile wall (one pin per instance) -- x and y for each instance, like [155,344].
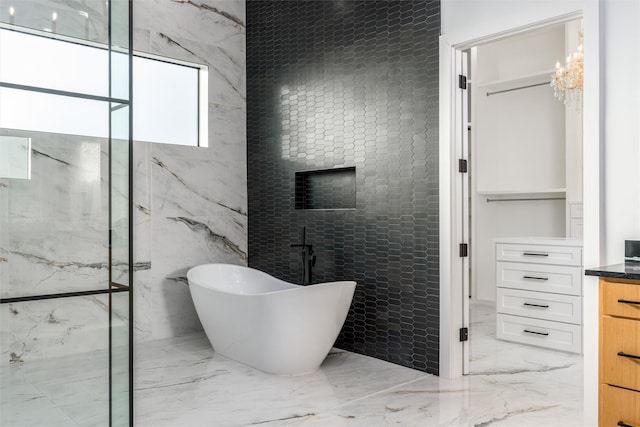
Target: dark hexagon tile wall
[351,83]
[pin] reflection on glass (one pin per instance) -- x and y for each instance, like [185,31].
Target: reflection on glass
[15,157]
[71,67]
[86,19]
[43,112]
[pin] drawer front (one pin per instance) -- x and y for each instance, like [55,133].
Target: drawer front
[620,352]
[558,308]
[616,405]
[620,299]
[543,333]
[556,279]
[539,254]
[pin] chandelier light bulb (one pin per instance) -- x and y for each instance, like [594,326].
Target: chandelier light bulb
[567,81]
[12,10]
[54,19]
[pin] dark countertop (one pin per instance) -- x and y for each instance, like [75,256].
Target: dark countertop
[629,271]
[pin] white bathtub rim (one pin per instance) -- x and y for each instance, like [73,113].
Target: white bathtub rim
[290,287]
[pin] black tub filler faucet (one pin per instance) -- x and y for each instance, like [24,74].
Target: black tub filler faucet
[308,258]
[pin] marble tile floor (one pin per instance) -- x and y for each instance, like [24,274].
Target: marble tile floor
[509,385]
[181,382]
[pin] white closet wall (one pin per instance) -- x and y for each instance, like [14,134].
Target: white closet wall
[573,136]
[518,148]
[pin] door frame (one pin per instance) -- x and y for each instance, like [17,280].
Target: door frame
[451,265]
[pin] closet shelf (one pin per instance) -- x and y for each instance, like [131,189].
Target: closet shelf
[528,193]
[516,83]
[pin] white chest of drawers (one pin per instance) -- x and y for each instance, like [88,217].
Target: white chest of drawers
[539,292]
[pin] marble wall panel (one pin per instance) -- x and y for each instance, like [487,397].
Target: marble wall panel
[191,201]
[142,240]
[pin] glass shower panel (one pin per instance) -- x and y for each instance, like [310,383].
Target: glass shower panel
[65,263]
[121,361]
[54,226]
[44,382]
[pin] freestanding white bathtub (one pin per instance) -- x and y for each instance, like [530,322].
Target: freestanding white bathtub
[266,323]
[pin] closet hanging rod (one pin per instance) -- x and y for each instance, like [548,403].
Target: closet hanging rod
[525,199]
[516,88]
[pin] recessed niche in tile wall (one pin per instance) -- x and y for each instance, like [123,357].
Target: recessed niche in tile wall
[326,189]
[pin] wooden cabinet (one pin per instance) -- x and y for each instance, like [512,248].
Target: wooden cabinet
[619,373]
[539,292]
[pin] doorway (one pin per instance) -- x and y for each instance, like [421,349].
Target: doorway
[521,166]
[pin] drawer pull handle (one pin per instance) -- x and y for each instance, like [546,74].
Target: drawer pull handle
[534,254]
[536,333]
[626,301]
[623,424]
[630,356]
[528,304]
[535,278]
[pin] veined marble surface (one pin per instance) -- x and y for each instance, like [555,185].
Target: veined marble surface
[191,202]
[180,382]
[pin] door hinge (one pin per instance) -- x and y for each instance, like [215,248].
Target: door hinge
[464,334]
[462,166]
[462,81]
[464,250]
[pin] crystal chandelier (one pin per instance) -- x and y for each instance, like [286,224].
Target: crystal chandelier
[567,81]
